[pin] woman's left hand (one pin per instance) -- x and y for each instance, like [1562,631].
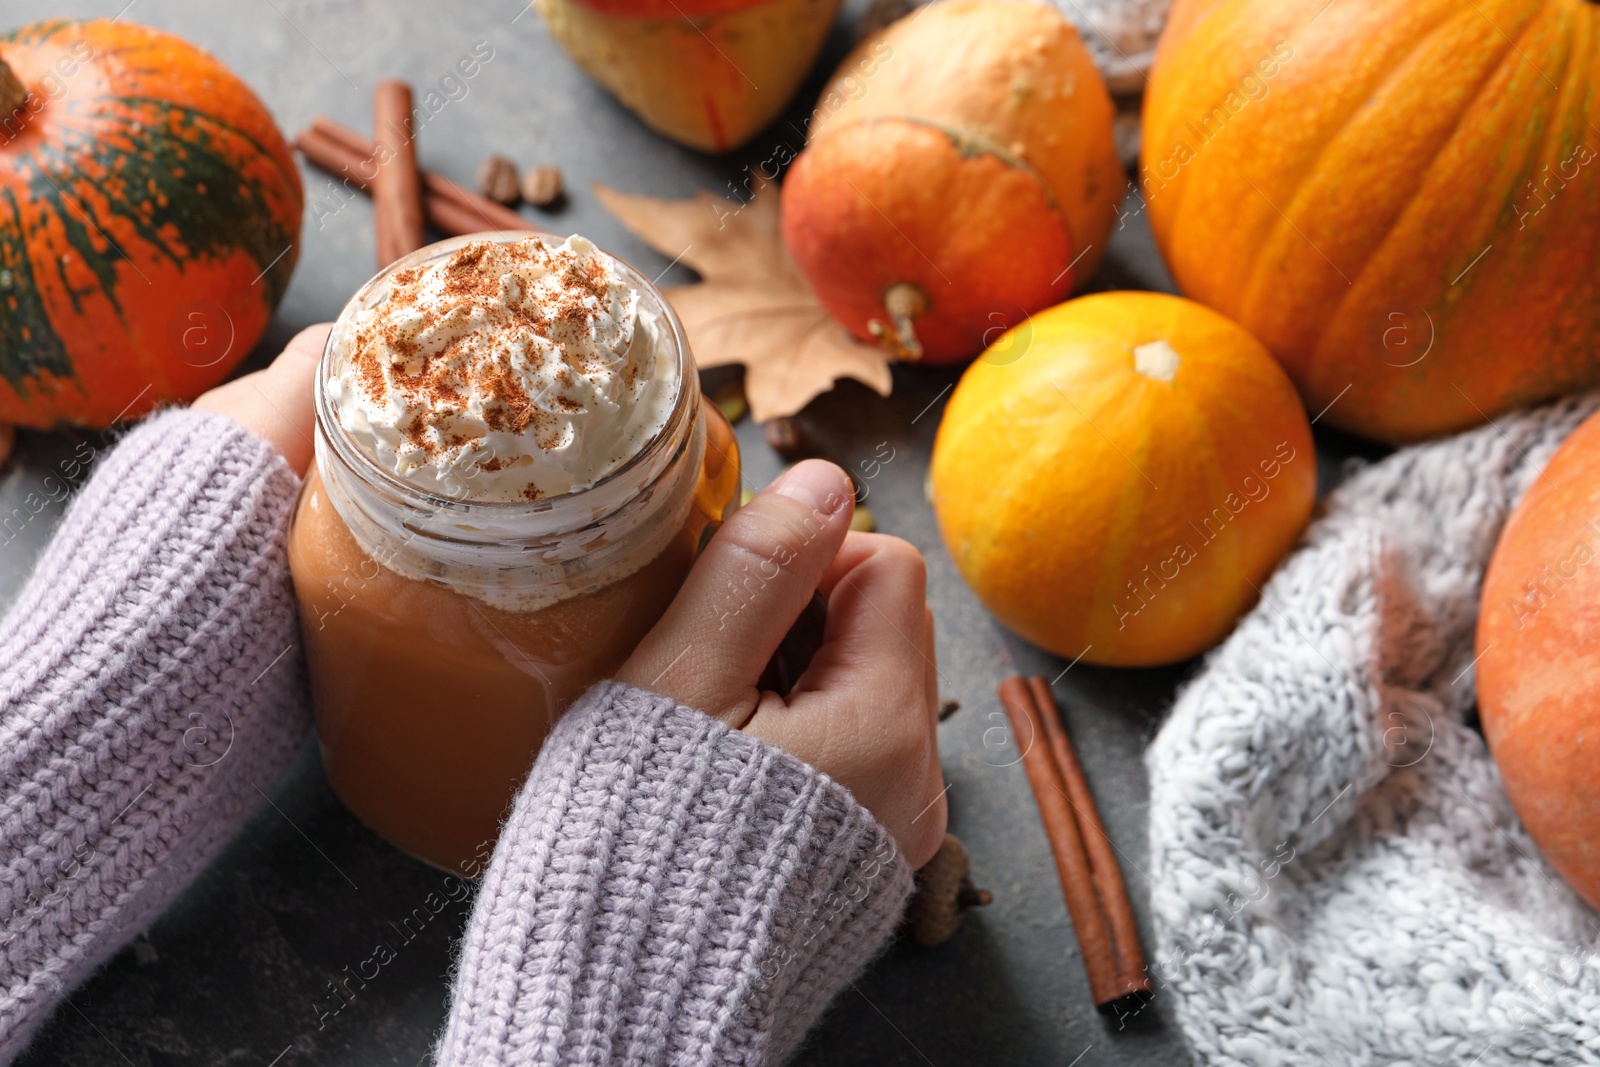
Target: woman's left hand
[275,404]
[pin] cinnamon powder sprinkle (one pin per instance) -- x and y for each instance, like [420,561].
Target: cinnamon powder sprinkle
[488,285]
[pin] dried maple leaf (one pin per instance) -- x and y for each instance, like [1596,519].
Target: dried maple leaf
[752,305]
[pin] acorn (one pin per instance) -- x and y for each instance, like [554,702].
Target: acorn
[943,894]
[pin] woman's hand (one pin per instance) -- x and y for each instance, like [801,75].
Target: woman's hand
[275,404]
[864,712]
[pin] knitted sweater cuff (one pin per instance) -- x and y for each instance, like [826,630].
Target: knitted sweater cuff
[668,890]
[150,685]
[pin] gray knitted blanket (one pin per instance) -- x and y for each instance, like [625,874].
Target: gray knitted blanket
[1339,878]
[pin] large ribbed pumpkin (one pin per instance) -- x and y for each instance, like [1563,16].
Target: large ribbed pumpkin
[1117,476]
[1401,198]
[149,221]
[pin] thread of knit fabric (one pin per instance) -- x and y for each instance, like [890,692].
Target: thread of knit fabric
[151,684]
[668,891]
[1338,875]
[1120,34]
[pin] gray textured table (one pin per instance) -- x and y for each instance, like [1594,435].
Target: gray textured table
[237,972]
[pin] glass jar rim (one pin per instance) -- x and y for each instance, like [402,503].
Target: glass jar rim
[332,430]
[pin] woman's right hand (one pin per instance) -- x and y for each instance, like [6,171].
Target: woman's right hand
[865,710]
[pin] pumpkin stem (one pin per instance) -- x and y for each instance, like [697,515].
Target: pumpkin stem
[13,94]
[1158,360]
[905,303]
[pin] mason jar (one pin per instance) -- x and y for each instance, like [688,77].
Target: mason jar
[444,635]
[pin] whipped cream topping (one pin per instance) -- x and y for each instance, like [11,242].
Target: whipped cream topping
[504,372]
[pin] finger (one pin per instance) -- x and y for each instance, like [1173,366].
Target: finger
[876,652]
[866,707]
[877,621]
[858,547]
[288,391]
[276,403]
[744,593]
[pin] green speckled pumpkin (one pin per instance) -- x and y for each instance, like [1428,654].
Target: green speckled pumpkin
[149,221]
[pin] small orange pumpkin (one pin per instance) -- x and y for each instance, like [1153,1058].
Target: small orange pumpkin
[1116,476]
[149,221]
[960,173]
[1400,198]
[1538,669]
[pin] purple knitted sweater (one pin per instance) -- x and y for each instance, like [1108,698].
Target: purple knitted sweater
[665,891]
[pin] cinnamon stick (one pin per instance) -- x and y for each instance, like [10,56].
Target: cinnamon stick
[446,216]
[450,208]
[397,186]
[1096,898]
[1131,973]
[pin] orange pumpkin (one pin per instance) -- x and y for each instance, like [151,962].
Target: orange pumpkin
[1401,198]
[960,173]
[149,221]
[1116,477]
[706,73]
[1538,668]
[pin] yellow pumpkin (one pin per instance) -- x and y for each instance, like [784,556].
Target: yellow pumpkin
[706,73]
[1117,476]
